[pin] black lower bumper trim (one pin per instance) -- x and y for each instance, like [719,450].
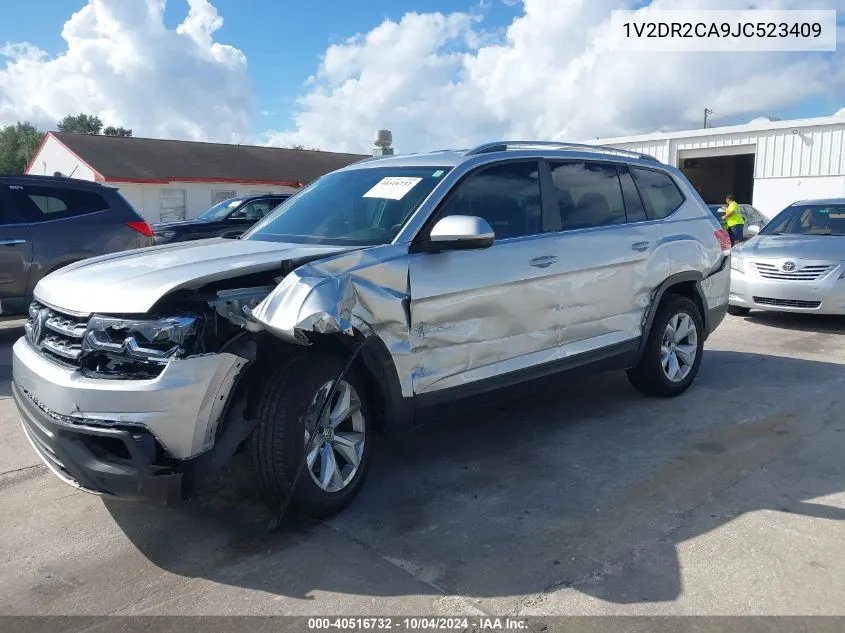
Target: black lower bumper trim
[70,450]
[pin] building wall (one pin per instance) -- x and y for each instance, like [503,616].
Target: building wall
[146,197]
[53,157]
[772,195]
[788,165]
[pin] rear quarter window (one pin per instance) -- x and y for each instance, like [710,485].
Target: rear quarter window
[658,191]
[41,204]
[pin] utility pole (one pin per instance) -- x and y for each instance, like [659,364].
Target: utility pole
[707,113]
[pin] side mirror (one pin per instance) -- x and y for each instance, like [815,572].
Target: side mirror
[460,232]
[753,229]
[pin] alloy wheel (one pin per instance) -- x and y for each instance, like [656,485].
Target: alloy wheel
[679,347]
[336,454]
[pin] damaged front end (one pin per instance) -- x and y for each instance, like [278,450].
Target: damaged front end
[138,406]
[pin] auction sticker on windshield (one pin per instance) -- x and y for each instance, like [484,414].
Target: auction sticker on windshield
[392,188]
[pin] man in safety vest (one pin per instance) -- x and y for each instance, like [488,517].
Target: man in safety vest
[734,222]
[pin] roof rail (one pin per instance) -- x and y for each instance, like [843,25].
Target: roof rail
[502,146]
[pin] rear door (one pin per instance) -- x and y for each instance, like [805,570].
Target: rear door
[15,254]
[67,225]
[605,262]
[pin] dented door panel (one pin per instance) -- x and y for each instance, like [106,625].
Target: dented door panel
[478,309]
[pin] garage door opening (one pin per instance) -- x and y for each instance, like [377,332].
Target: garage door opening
[717,176]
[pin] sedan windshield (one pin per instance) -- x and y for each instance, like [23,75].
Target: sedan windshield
[221,209]
[808,220]
[358,207]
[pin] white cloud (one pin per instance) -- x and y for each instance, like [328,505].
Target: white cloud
[436,83]
[125,66]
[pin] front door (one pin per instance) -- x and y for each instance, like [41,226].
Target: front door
[15,255]
[476,314]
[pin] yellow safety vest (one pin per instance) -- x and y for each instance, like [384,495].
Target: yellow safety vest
[736,218]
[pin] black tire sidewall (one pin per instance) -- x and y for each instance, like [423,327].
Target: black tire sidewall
[288,433]
[670,309]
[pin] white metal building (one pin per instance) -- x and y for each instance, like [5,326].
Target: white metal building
[767,163]
[172,180]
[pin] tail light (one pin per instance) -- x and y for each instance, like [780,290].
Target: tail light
[724,240]
[142,227]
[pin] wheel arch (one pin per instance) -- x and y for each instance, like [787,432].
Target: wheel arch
[376,365]
[686,284]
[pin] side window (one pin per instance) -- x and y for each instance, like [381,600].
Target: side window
[9,212]
[506,195]
[40,204]
[658,191]
[588,195]
[634,208]
[256,209]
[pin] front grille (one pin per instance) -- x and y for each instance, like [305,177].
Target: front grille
[807,273]
[787,303]
[55,334]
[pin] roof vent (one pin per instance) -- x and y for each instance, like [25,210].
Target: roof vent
[383,142]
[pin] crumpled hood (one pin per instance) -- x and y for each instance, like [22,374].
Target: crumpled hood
[813,247]
[131,282]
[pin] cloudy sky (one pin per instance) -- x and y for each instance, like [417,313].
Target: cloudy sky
[439,73]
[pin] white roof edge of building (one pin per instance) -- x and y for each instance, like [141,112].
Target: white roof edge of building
[727,129]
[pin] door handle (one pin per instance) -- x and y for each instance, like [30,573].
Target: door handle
[641,246]
[11,242]
[543,262]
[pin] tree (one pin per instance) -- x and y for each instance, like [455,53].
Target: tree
[81,124]
[17,146]
[117,131]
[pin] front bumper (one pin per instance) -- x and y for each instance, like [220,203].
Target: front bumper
[100,460]
[181,407]
[825,295]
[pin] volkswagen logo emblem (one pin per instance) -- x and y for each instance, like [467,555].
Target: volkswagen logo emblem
[36,333]
[788,267]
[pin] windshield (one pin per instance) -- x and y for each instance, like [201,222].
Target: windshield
[358,207]
[715,209]
[221,209]
[808,220]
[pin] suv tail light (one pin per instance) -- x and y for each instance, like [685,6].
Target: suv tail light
[724,240]
[142,227]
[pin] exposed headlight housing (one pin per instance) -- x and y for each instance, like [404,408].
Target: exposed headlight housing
[147,340]
[737,262]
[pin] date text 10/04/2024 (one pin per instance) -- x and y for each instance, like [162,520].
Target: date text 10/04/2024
[418,624]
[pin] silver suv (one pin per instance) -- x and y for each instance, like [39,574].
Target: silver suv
[375,295]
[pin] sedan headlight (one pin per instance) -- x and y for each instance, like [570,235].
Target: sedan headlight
[165,235]
[146,340]
[737,262]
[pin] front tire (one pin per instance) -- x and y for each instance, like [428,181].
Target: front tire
[673,351]
[337,465]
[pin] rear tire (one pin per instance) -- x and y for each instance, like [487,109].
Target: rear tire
[673,350]
[277,444]
[738,311]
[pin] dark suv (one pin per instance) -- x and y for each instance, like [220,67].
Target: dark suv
[48,222]
[229,218]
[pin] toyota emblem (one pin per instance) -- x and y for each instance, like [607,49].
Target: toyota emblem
[788,267]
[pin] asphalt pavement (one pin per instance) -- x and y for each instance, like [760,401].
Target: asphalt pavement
[586,498]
